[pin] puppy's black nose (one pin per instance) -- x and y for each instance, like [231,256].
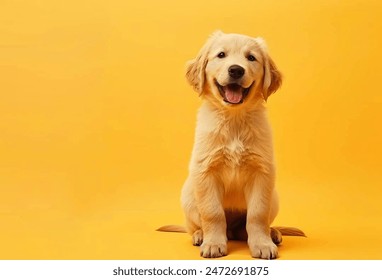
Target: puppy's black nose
[236,71]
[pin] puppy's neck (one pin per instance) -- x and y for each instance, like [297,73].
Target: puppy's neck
[235,112]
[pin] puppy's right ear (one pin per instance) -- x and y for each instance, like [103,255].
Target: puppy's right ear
[195,68]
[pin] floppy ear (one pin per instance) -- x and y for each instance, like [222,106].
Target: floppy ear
[272,76]
[195,69]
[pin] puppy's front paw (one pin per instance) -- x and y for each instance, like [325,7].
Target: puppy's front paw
[263,249]
[210,250]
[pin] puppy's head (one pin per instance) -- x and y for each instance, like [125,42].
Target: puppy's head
[233,69]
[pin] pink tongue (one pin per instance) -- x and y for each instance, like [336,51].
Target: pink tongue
[233,95]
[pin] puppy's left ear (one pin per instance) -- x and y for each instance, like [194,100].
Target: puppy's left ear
[272,76]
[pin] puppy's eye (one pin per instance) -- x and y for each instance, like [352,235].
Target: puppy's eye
[251,58]
[221,55]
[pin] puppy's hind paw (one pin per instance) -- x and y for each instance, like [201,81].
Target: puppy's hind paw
[276,236]
[197,238]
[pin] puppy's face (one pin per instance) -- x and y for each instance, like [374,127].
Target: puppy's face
[231,70]
[234,67]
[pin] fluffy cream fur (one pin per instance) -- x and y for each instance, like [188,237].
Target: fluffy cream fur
[230,190]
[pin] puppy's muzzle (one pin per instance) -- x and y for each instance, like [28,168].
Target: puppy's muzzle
[236,71]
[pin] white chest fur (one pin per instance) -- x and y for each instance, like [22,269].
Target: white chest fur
[234,150]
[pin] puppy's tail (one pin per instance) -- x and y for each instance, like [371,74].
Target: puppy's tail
[173,228]
[285,231]
[290,231]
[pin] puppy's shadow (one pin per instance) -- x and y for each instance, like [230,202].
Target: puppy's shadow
[237,247]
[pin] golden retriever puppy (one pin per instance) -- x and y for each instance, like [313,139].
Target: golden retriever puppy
[230,190]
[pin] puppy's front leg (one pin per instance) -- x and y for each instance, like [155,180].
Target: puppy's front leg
[209,199]
[259,197]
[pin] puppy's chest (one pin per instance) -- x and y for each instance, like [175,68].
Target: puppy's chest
[234,161]
[233,153]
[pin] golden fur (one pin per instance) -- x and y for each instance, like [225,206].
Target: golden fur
[230,190]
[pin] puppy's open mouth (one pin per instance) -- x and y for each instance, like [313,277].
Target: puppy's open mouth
[233,93]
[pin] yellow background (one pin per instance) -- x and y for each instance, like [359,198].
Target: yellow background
[97,122]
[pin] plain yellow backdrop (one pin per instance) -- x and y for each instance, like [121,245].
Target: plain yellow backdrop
[97,123]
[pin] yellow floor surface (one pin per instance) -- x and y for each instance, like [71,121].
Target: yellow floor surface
[97,123]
